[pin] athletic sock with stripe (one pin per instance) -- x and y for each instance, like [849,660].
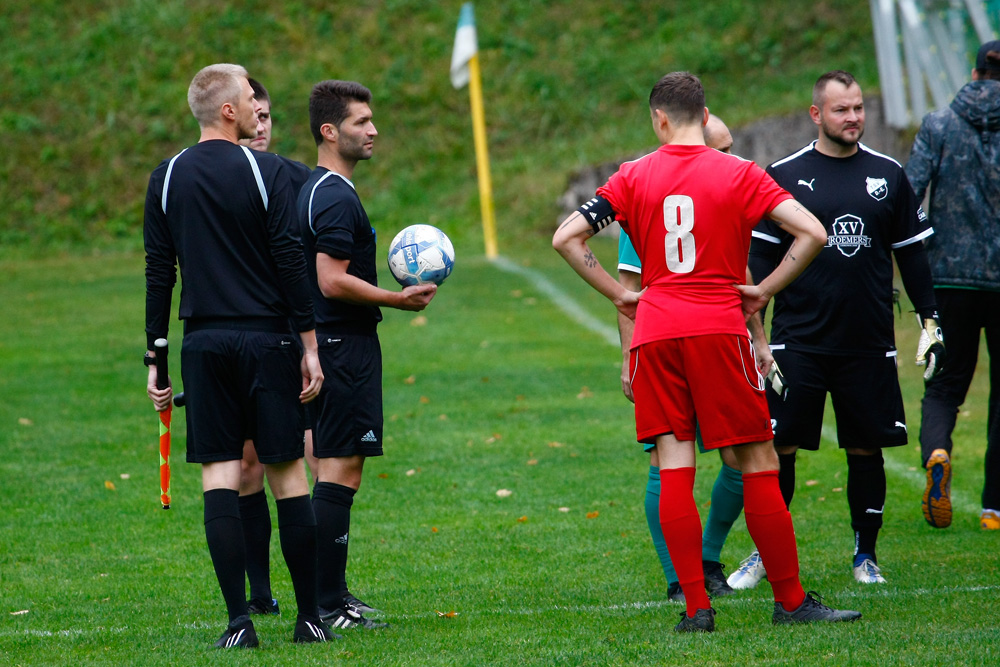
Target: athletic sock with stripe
[297,532]
[332,505]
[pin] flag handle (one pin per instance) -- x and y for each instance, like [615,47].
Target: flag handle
[482,158]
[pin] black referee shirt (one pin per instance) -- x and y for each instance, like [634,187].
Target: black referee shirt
[333,221]
[842,302]
[240,258]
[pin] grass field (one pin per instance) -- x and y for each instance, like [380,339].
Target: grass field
[493,387]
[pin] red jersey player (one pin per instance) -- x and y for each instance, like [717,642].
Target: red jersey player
[689,211]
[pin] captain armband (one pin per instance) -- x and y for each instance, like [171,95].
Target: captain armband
[598,213]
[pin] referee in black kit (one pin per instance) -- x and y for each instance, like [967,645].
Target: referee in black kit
[226,215]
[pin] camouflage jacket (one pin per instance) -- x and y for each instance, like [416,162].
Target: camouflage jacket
[957,154]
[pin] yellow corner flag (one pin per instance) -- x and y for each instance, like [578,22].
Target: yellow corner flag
[465,70]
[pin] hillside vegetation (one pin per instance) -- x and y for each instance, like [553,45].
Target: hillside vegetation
[94,96]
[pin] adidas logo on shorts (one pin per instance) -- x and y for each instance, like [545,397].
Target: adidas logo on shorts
[369,437]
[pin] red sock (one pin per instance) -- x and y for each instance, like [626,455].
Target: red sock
[682,531]
[770,526]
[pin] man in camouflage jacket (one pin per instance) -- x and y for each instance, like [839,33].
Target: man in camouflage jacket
[957,154]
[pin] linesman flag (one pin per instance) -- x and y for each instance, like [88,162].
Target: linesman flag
[465,70]
[466,46]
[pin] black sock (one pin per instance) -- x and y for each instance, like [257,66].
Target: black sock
[224,532]
[786,477]
[257,538]
[332,504]
[866,498]
[297,533]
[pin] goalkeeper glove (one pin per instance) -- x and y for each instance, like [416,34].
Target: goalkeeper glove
[930,348]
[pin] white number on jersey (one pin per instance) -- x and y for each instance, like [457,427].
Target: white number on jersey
[678,219]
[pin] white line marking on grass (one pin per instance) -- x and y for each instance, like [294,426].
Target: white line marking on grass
[741,601]
[959,500]
[562,300]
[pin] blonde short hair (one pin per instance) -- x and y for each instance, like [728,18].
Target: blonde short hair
[212,87]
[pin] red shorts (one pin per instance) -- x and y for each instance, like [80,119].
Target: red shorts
[708,381]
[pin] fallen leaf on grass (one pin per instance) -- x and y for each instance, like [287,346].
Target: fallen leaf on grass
[411,472]
[837,489]
[434,529]
[418,321]
[812,482]
[555,444]
[504,493]
[585,393]
[443,418]
[383,475]
[563,509]
[410,380]
[20,613]
[24,421]
[532,462]
[109,485]
[516,293]
[593,515]
[125,475]
[449,614]
[425,400]
[522,519]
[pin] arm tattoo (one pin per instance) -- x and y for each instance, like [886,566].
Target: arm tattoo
[589,259]
[789,255]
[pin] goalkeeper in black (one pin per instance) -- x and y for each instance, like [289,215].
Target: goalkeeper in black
[832,329]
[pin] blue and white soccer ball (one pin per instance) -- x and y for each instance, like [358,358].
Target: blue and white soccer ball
[421,254]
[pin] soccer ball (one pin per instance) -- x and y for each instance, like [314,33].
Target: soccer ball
[421,254]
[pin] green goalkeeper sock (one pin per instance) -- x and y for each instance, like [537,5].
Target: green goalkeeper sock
[727,503]
[653,519]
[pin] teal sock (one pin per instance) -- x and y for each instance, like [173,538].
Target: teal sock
[653,519]
[727,503]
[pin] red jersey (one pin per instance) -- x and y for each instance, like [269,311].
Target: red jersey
[689,211]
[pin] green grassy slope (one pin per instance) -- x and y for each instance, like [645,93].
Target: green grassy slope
[94,95]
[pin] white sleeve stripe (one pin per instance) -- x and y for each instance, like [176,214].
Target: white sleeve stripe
[765,237]
[256,175]
[913,239]
[631,268]
[312,194]
[166,181]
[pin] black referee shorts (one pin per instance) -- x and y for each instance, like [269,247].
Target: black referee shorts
[349,406]
[864,391]
[240,385]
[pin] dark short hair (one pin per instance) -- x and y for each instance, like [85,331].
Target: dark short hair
[988,61]
[838,75]
[329,101]
[259,91]
[681,96]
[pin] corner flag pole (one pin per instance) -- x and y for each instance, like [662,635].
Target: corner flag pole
[465,70]
[482,158]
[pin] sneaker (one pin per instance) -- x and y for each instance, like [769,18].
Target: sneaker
[239,633]
[715,580]
[311,630]
[749,573]
[936,502]
[357,605]
[812,610]
[702,621]
[675,594]
[345,619]
[867,572]
[262,607]
[989,520]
